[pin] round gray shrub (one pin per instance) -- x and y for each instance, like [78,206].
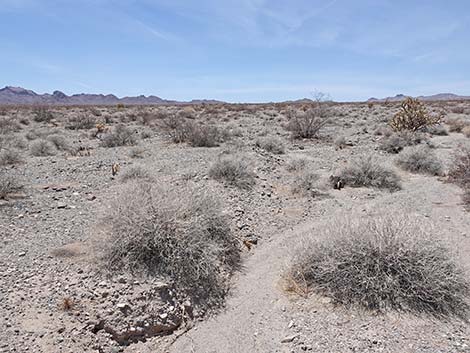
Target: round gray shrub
[232,170]
[419,159]
[180,235]
[134,172]
[368,172]
[120,136]
[271,144]
[383,264]
[42,148]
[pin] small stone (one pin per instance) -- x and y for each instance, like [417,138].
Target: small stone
[289,338]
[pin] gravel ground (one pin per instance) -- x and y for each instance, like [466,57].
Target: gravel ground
[53,298]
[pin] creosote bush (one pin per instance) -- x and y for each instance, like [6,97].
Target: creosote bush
[232,170]
[121,135]
[368,172]
[182,129]
[81,122]
[413,116]
[380,265]
[180,235]
[419,159]
[309,123]
[42,114]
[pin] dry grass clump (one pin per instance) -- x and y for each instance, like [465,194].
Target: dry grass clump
[306,184]
[233,170]
[136,152]
[8,184]
[297,164]
[413,116]
[180,235]
[9,156]
[271,144]
[42,148]
[135,172]
[121,135]
[382,264]
[419,159]
[399,140]
[368,172]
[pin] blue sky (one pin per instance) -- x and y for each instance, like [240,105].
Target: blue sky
[238,51]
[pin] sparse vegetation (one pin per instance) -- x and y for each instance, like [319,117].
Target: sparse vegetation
[382,264]
[368,172]
[232,170]
[180,235]
[419,159]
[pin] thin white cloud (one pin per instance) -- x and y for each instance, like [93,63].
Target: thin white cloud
[156,33]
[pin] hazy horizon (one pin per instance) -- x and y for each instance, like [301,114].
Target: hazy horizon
[237,51]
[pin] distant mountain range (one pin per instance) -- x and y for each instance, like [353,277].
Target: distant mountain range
[435,97]
[18,95]
[22,96]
